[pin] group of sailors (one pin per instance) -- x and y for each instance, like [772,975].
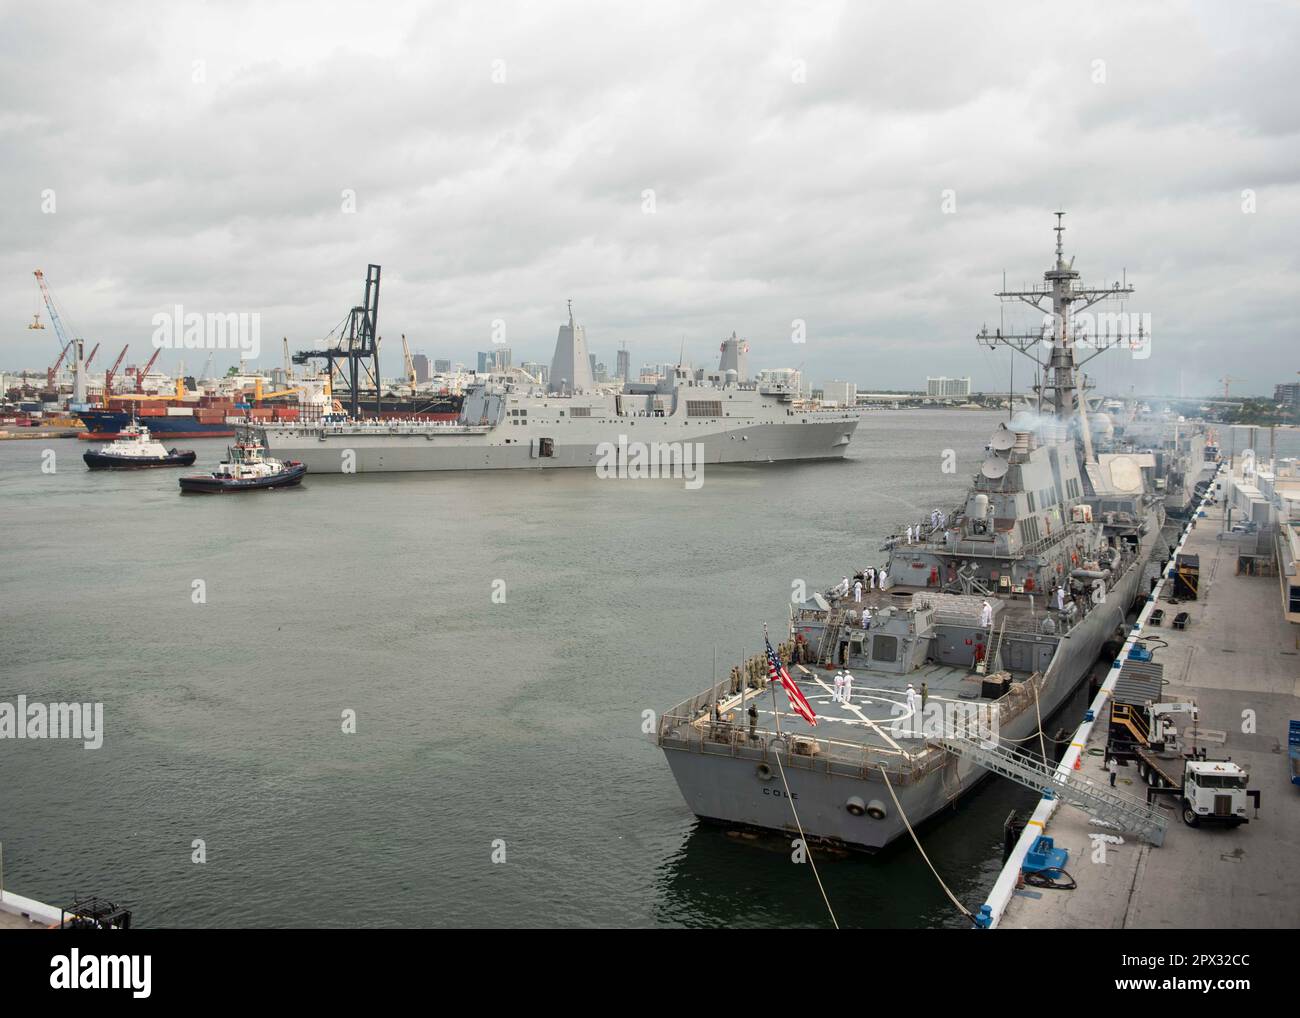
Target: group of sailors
[844,687]
[864,582]
[918,532]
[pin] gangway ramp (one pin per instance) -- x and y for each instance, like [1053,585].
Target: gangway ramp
[1145,820]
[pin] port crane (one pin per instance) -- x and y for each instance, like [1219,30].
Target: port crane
[55,320]
[108,375]
[139,375]
[408,363]
[52,373]
[352,358]
[93,351]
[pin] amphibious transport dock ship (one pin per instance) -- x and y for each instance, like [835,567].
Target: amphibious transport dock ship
[504,424]
[992,612]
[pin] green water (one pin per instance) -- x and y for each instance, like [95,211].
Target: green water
[477,722]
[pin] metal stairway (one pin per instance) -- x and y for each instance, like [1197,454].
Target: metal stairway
[830,636]
[1101,801]
[990,662]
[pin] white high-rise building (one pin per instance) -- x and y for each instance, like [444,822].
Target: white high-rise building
[947,388]
[840,393]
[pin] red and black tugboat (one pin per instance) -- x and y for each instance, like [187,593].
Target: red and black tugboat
[136,450]
[245,469]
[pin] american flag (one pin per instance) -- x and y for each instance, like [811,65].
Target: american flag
[776,673]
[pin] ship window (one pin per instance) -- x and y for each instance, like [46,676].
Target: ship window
[580,411]
[704,408]
[884,648]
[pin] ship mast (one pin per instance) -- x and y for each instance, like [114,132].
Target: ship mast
[1060,367]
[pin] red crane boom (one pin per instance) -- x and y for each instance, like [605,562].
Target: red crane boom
[108,375]
[139,375]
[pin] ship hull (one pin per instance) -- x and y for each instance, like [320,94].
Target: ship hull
[106,425]
[107,461]
[206,484]
[325,453]
[733,790]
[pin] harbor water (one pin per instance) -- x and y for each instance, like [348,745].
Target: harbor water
[499,637]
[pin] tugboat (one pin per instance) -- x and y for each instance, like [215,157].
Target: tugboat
[246,469]
[135,450]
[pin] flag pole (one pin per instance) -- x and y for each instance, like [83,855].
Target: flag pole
[776,709]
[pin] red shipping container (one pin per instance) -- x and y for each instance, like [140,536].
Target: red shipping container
[152,411]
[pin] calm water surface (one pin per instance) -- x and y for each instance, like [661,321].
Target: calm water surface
[476,721]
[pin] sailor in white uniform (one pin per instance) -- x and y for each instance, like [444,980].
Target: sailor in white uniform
[909,533]
[914,720]
[986,615]
[857,591]
[883,577]
[848,687]
[839,687]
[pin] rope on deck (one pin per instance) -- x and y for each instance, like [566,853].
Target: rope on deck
[907,823]
[802,837]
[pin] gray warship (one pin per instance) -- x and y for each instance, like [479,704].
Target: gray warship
[1178,455]
[514,422]
[992,611]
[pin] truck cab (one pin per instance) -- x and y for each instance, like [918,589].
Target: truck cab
[1214,791]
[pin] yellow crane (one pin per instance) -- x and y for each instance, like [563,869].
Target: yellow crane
[408,363]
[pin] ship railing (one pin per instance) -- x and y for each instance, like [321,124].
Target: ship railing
[1014,623]
[701,733]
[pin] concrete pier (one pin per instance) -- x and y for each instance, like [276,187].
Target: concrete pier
[1239,660]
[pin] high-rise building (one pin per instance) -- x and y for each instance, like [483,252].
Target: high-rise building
[496,359]
[623,365]
[601,373]
[947,388]
[421,365]
[442,367]
[840,393]
[1288,394]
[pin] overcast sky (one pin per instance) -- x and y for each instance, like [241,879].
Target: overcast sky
[798,156]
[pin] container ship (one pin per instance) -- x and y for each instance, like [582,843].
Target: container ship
[212,416]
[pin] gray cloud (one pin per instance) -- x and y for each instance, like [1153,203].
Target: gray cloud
[776,199]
